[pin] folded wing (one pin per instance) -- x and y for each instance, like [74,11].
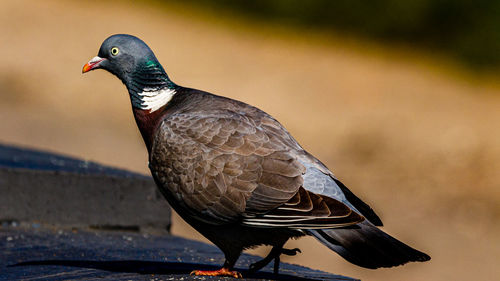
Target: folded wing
[228,167]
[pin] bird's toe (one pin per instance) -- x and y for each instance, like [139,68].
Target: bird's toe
[290,252]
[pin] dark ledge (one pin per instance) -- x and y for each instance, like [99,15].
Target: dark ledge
[12,157]
[53,189]
[56,214]
[52,254]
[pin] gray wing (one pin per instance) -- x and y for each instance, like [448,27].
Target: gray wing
[320,180]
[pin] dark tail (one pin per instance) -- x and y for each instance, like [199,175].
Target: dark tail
[367,246]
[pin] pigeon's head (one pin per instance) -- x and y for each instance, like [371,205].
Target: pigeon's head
[127,57]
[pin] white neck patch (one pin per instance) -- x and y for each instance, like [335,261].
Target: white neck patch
[154,99]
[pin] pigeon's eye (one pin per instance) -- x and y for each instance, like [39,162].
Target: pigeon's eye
[115,51]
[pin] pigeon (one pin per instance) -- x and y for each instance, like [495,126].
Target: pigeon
[237,176]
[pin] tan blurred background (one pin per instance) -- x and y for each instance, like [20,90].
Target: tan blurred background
[414,134]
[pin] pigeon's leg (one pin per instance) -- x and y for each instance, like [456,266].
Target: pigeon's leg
[226,270]
[275,254]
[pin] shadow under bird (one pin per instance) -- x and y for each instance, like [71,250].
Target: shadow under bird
[236,175]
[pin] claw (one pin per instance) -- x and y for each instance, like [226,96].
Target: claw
[221,272]
[255,266]
[274,254]
[290,252]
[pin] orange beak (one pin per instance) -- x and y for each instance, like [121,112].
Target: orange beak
[92,64]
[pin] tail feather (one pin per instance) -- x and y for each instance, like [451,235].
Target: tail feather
[367,246]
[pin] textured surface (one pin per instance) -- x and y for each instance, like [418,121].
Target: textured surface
[55,189]
[44,254]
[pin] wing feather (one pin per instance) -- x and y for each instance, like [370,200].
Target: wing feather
[225,165]
[309,211]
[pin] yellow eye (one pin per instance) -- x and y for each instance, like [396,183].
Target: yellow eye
[115,51]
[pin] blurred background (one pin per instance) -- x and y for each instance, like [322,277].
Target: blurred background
[401,99]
